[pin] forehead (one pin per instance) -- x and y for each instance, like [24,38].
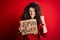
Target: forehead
[31,8]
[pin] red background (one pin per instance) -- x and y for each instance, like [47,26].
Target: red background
[11,11]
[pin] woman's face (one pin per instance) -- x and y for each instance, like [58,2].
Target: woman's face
[32,12]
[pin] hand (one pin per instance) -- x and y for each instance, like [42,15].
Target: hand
[19,31]
[42,19]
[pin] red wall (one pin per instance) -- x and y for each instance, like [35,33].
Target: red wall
[11,11]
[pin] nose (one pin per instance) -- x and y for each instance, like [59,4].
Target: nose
[32,12]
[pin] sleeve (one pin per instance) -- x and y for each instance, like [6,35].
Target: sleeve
[41,31]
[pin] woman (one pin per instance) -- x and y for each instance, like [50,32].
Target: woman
[32,11]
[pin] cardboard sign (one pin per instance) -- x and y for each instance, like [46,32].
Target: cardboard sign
[28,27]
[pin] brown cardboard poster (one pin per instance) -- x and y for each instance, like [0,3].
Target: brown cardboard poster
[28,26]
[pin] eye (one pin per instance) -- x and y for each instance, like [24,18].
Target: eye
[33,10]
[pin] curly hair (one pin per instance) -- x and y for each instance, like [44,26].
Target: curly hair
[26,14]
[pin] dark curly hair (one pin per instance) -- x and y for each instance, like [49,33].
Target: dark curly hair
[26,14]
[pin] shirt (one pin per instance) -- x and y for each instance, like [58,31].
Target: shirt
[33,36]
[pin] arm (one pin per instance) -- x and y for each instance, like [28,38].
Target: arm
[44,29]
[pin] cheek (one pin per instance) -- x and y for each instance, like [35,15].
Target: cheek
[33,13]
